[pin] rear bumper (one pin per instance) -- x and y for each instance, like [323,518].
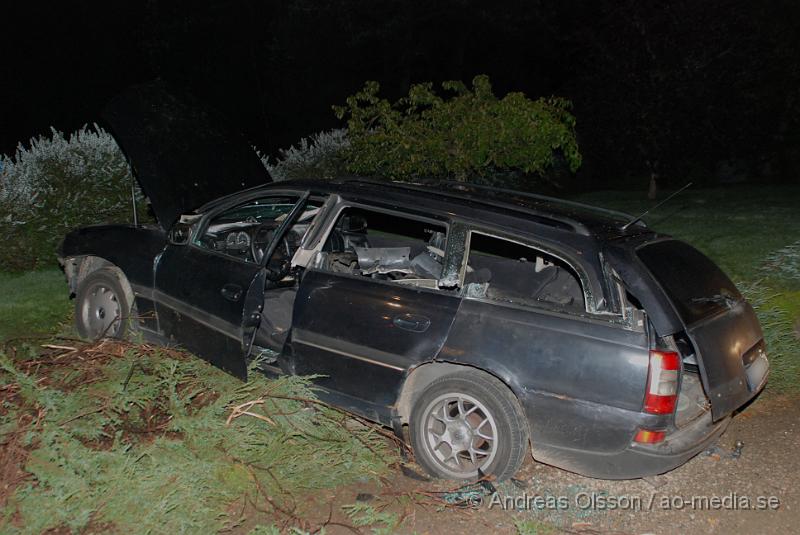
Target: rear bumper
[638,460]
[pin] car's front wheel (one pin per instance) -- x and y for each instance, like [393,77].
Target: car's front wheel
[466,422]
[101,307]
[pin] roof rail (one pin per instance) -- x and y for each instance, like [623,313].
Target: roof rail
[465,185]
[576,226]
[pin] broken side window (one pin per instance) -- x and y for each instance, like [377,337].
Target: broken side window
[385,247]
[503,270]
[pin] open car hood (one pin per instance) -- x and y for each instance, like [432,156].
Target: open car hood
[183,154]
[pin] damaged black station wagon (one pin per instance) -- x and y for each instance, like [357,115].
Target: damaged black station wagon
[477,322]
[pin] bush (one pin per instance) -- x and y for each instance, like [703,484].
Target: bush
[472,136]
[136,439]
[56,184]
[320,155]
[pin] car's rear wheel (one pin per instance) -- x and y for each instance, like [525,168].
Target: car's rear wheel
[101,307]
[466,422]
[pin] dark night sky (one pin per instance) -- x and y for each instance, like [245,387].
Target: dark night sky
[690,88]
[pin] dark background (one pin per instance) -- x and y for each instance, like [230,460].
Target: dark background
[704,91]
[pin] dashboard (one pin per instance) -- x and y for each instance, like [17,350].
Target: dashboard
[230,238]
[245,232]
[236,239]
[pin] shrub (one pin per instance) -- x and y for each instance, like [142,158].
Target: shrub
[56,184]
[153,442]
[317,156]
[471,136]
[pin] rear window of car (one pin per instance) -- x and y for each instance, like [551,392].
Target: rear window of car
[696,286]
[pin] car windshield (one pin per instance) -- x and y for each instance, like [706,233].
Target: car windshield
[258,211]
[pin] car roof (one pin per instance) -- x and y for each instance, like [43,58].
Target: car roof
[578,232]
[482,203]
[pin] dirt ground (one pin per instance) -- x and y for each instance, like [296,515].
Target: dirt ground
[716,492]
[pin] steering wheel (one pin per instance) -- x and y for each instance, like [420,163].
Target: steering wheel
[262,237]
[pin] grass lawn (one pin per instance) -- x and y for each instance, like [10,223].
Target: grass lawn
[736,226]
[33,303]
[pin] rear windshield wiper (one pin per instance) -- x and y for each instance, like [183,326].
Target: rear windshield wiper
[726,300]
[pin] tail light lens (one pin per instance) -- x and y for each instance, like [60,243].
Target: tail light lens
[646,436]
[662,382]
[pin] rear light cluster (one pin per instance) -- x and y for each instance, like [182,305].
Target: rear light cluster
[662,382]
[661,394]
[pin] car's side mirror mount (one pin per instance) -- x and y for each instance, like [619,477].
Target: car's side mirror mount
[180,234]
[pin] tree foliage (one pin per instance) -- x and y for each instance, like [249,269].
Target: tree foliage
[473,134]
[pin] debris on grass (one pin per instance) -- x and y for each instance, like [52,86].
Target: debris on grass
[152,440]
[470,495]
[380,520]
[13,455]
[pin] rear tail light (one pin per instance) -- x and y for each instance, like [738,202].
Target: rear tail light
[662,382]
[645,436]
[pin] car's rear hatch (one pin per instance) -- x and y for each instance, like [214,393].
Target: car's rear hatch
[722,326]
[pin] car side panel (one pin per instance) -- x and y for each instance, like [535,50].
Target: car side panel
[132,249]
[363,335]
[581,380]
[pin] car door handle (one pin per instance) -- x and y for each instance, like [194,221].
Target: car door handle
[412,322]
[231,292]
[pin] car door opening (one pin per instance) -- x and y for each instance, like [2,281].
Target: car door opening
[385,247]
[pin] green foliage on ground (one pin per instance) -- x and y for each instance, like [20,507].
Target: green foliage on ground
[470,135]
[364,515]
[140,440]
[737,226]
[751,232]
[533,527]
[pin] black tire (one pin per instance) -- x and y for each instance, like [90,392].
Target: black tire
[101,306]
[479,392]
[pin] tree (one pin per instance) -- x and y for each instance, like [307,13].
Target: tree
[471,136]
